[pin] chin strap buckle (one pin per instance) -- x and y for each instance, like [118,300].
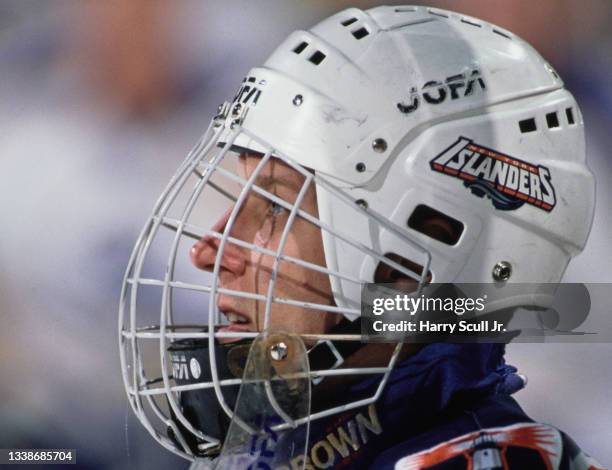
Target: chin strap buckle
[324,355]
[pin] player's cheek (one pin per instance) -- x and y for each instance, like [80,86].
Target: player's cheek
[266,232]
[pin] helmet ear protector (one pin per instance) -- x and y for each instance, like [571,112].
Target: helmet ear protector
[480,136]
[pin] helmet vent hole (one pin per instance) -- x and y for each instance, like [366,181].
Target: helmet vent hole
[552,120]
[528,125]
[436,225]
[361,33]
[387,274]
[569,112]
[471,23]
[360,167]
[405,10]
[317,58]
[348,22]
[438,13]
[502,34]
[300,47]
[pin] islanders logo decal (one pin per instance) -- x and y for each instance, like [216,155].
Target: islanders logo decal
[507,181]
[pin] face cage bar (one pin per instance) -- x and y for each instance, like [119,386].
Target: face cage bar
[138,386]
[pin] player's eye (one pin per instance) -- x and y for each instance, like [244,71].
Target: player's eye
[275,209]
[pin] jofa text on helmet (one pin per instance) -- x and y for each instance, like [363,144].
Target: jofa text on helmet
[437,92]
[249,91]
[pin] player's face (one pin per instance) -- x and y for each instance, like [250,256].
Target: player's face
[261,222]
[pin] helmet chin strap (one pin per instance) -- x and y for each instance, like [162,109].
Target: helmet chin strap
[327,354]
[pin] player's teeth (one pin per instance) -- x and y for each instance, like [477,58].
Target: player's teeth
[232,317]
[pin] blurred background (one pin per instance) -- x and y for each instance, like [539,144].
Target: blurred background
[100,101]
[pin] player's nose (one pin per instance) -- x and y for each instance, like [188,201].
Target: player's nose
[205,252]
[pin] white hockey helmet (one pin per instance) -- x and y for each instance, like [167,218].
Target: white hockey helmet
[390,112]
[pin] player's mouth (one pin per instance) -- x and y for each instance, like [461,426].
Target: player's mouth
[236,318]
[238,323]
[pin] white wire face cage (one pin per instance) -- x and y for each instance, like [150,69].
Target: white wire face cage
[159,307]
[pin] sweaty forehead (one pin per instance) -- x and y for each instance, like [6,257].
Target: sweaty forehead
[274,173]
